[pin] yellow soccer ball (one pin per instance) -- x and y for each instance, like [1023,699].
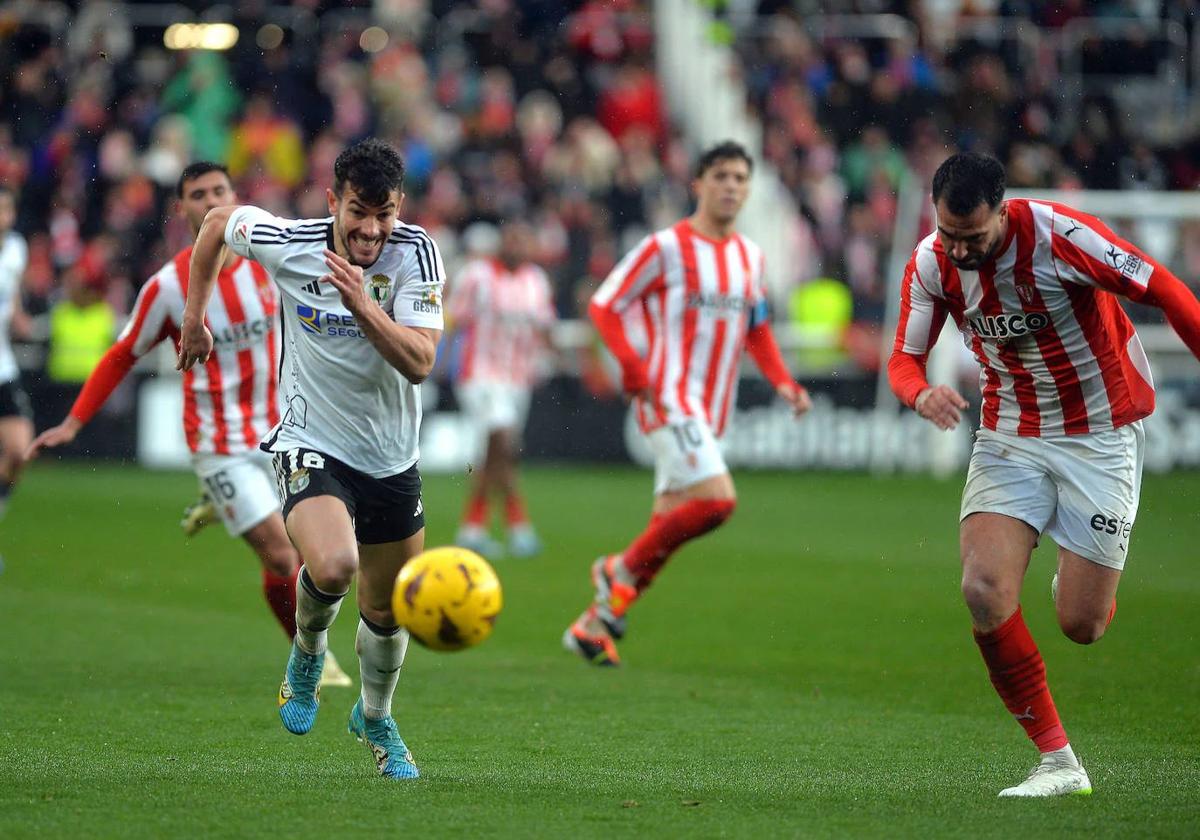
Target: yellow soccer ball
[447,598]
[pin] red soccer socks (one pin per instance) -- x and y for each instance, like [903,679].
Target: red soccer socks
[1019,675]
[665,533]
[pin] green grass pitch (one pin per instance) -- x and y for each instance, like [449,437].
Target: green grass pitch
[807,671]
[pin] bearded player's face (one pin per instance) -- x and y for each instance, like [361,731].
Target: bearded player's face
[971,240]
[362,228]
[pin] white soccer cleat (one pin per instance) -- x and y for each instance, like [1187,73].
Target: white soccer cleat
[1058,774]
[333,675]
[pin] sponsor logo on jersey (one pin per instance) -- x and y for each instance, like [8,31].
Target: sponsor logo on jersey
[379,286]
[320,322]
[717,302]
[1006,327]
[1131,266]
[310,318]
[430,303]
[243,334]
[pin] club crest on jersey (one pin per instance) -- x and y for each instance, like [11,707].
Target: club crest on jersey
[1025,293]
[241,232]
[379,286]
[1001,328]
[297,481]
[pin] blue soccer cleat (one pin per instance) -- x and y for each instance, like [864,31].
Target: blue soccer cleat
[391,755]
[300,691]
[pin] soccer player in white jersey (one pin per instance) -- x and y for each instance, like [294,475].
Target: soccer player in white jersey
[1033,287]
[16,416]
[361,319]
[695,293]
[228,404]
[504,307]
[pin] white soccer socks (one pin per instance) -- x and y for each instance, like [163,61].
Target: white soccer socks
[380,654]
[315,612]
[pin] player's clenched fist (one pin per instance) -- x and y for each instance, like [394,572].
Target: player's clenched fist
[941,405]
[195,345]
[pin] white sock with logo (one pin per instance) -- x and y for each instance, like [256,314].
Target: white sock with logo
[380,654]
[1063,757]
[315,612]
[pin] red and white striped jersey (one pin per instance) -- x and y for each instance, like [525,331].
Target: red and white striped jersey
[1058,354]
[504,314]
[229,402]
[693,299]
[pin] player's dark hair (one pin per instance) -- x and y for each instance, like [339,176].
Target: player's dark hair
[729,150]
[373,168]
[968,179]
[195,170]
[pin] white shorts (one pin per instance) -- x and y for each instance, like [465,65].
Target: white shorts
[685,453]
[1081,490]
[492,406]
[242,487]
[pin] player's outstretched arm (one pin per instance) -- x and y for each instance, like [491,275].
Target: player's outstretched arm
[195,341]
[59,435]
[410,350]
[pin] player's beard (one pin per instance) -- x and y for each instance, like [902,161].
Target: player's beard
[345,241]
[975,263]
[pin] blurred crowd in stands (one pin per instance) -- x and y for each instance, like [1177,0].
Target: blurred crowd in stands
[550,111]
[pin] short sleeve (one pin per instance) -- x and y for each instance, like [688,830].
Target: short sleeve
[263,237]
[418,301]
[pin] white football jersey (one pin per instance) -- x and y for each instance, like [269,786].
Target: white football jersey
[337,394]
[13,256]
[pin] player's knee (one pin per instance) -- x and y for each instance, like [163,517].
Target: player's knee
[378,615]
[987,595]
[1082,630]
[721,510]
[332,570]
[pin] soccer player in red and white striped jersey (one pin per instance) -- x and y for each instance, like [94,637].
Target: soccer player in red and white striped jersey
[504,308]
[692,297]
[229,403]
[1033,287]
